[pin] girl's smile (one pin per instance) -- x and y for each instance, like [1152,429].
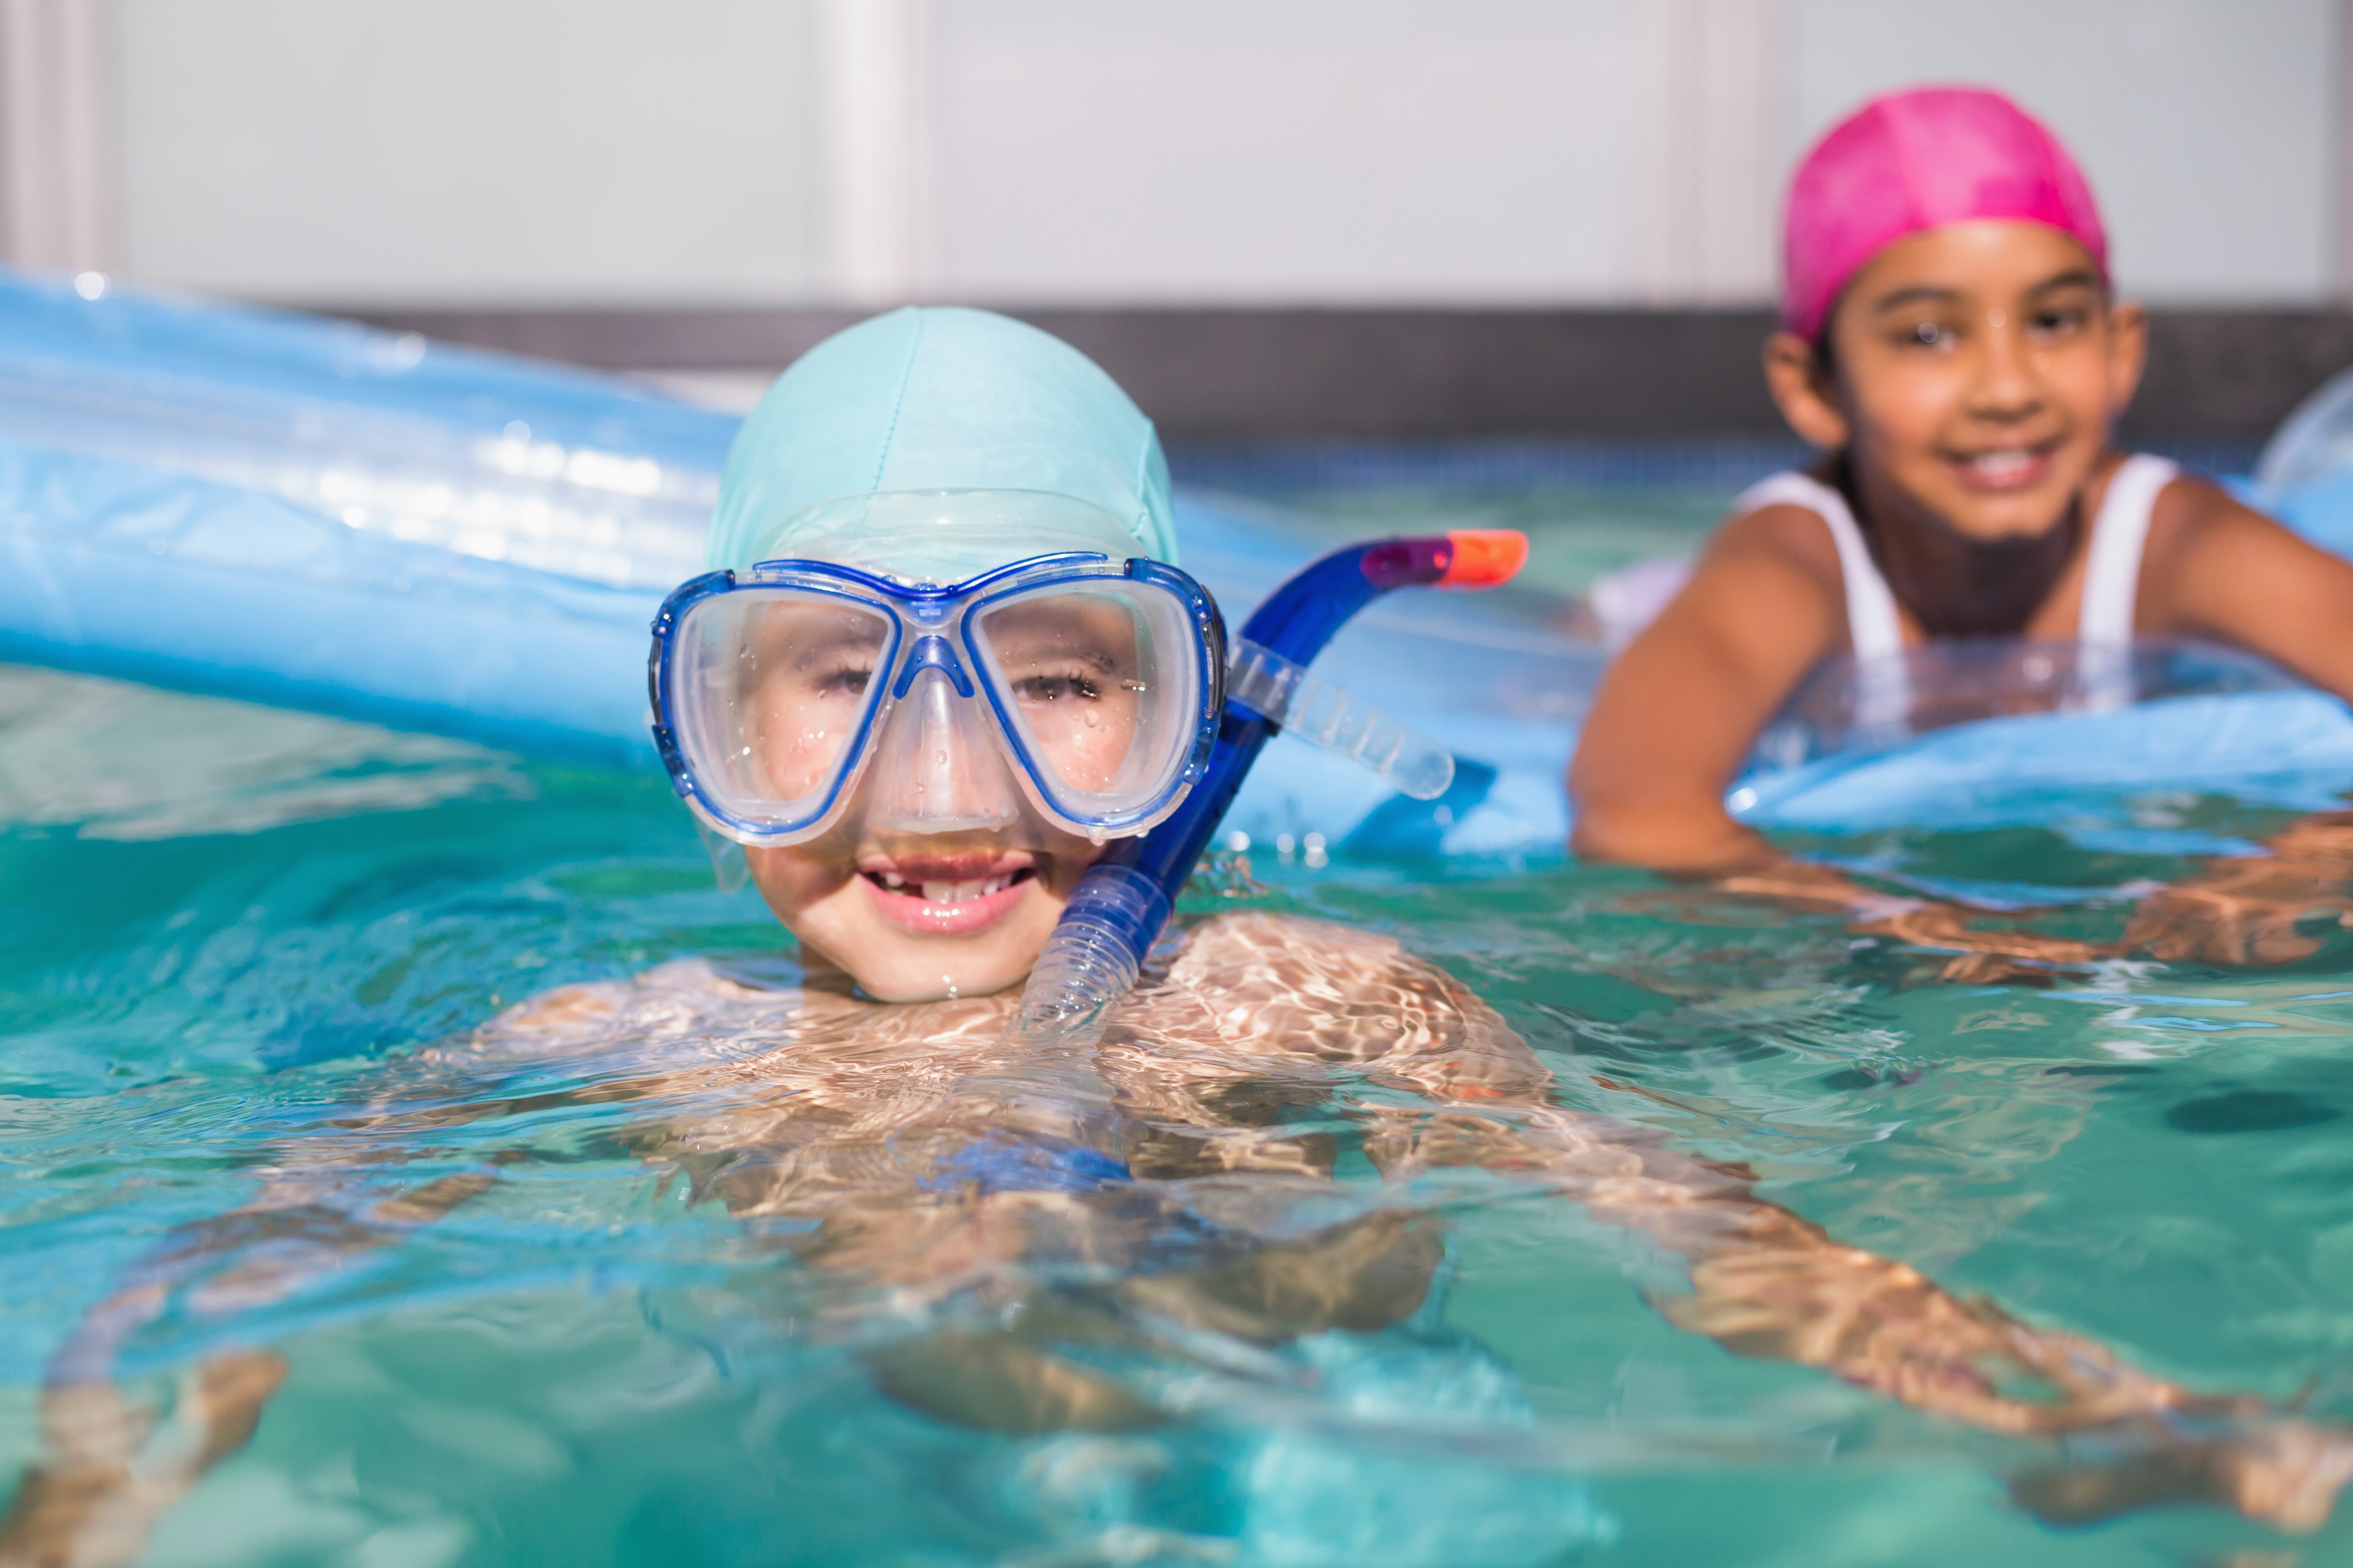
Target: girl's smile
[2001,469]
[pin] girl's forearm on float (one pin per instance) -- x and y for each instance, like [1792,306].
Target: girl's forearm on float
[1678,711]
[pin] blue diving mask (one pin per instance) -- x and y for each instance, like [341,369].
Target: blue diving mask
[1072,688]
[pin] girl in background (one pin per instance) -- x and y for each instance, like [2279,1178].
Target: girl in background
[1951,343]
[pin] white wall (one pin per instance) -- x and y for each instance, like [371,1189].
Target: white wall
[684,152]
[474,150]
[2209,127]
[1244,149]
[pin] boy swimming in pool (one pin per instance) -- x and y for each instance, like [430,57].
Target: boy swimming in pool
[1951,343]
[919,776]
[1153,1204]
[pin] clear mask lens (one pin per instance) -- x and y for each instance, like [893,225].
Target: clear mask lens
[1101,686]
[773,689]
[1077,701]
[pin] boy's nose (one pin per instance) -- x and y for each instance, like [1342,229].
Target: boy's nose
[937,767]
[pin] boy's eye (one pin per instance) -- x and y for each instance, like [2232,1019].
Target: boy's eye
[845,682]
[2052,321]
[1056,689]
[1927,335]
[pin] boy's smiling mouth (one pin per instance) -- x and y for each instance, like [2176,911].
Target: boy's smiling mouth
[947,895]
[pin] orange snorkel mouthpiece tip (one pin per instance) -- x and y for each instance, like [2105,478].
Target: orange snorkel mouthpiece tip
[1484,557]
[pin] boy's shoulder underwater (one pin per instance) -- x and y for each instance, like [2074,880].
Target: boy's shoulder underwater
[1236,967]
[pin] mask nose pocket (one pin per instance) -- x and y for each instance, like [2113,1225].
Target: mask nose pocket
[938,767]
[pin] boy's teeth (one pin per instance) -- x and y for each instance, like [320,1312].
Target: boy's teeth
[892,879]
[2001,465]
[957,892]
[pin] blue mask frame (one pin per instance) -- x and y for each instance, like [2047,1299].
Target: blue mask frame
[933,627]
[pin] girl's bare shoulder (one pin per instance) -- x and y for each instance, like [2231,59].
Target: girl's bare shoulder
[2203,538]
[1769,578]
[2193,507]
[1783,538]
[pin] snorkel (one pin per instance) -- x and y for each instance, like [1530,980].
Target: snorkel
[1123,900]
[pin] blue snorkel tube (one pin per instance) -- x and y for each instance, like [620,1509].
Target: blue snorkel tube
[1123,900]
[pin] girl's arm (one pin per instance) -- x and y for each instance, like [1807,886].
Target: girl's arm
[1677,711]
[2247,910]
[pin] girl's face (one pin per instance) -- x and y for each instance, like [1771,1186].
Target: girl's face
[1976,371]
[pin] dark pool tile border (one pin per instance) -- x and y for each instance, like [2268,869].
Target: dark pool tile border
[1279,467]
[1224,375]
[1502,464]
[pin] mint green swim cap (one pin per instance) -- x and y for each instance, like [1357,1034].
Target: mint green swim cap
[938,443]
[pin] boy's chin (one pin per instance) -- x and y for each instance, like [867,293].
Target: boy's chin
[896,982]
[894,966]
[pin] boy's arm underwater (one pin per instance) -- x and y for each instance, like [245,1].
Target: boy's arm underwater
[1765,1281]
[111,1466]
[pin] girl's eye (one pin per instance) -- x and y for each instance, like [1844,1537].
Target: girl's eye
[844,682]
[2056,320]
[1929,335]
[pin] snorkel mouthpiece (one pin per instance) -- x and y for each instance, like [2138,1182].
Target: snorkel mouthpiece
[1123,902]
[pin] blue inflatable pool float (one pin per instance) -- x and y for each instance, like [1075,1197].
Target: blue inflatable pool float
[317,515]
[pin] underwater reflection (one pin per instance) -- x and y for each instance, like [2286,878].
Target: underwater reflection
[1233,1217]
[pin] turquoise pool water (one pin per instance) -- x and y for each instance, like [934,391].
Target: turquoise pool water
[231,940]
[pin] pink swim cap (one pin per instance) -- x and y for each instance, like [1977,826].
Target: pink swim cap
[1916,161]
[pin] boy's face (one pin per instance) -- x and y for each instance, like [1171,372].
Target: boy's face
[1977,369]
[941,879]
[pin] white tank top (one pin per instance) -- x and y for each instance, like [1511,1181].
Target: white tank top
[2111,567]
